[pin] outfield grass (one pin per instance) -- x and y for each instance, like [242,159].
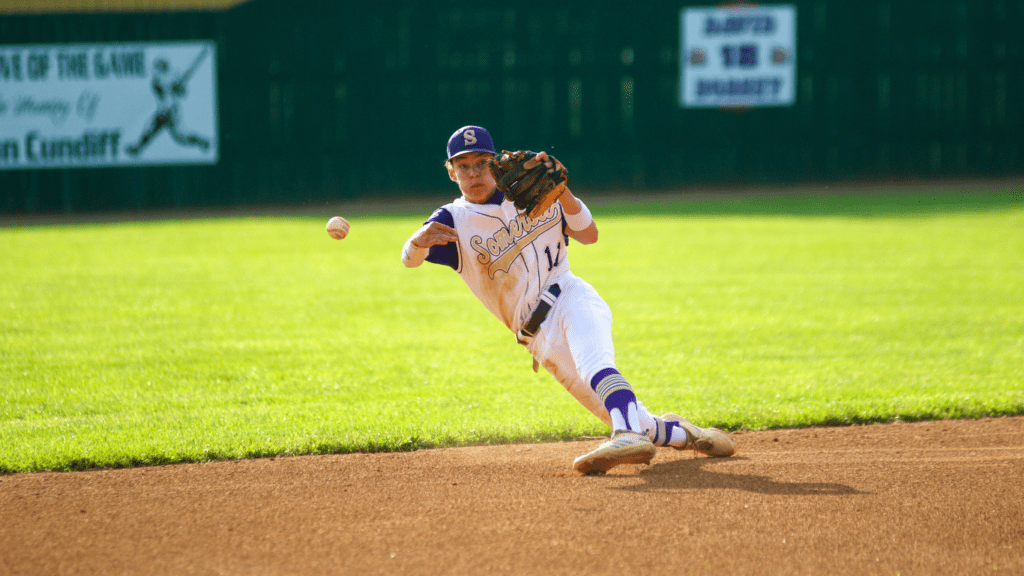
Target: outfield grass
[157,342]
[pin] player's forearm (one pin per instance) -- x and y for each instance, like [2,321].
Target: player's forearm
[413,255]
[432,233]
[578,219]
[570,203]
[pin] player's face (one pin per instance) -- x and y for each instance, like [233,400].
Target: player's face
[473,175]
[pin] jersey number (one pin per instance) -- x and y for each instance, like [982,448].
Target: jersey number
[558,253]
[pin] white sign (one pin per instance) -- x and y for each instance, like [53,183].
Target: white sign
[738,56]
[81,105]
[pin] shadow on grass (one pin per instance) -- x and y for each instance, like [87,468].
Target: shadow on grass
[888,200]
[866,204]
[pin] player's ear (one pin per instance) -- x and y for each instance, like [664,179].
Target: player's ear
[451,172]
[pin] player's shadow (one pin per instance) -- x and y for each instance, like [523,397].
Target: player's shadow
[693,474]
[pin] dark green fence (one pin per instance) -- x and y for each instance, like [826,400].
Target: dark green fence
[322,101]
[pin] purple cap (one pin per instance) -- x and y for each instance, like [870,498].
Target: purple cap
[470,139]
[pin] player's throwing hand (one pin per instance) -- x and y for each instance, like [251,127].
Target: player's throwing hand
[434,233]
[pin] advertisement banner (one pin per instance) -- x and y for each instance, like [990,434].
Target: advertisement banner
[741,56]
[92,105]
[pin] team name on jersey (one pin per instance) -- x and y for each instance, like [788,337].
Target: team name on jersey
[502,248]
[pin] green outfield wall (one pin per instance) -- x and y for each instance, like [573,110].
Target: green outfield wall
[322,101]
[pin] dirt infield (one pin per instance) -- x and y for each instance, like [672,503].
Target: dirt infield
[941,497]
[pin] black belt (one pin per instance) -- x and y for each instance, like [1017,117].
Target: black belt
[540,313]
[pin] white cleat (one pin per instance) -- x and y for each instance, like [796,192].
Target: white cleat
[709,441]
[624,448]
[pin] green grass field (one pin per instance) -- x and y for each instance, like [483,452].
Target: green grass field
[171,341]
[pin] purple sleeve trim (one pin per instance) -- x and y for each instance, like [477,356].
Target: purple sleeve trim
[444,254]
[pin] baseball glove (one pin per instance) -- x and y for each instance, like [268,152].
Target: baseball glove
[532,190]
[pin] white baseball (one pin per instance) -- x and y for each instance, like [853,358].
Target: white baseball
[337,227]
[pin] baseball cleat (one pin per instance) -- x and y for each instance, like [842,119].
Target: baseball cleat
[709,441]
[624,448]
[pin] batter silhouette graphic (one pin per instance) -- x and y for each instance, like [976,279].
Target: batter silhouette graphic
[169,90]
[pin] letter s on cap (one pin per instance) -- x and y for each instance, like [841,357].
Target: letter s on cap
[470,137]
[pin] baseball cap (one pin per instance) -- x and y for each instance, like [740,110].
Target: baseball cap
[470,139]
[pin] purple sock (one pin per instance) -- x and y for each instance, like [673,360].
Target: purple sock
[663,432]
[618,398]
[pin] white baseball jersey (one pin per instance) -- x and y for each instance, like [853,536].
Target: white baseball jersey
[505,258]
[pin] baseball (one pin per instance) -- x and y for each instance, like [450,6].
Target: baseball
[337,227]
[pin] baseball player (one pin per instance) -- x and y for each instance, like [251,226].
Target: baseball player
[519,269]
